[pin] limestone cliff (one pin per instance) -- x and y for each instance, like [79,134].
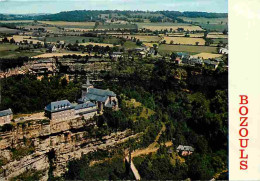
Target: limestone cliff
[40,144]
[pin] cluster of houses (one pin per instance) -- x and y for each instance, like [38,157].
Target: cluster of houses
[92,102]
[186,59]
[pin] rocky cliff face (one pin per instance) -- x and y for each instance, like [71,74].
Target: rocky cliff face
[41,144]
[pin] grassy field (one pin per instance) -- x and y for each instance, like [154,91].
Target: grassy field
[130,45]
[111,40]
[112,26]
[214,27]
[184,40]
[218,40]
[8,30]
[168,26]
[144,113]
[150,44]
[8,47]
[10,51]
[65,24]
[16,54]
[167,49]
[17,21]
[205,20]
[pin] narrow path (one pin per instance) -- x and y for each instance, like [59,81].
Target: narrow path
[133,168]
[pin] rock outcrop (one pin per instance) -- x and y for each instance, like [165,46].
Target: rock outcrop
[41,144]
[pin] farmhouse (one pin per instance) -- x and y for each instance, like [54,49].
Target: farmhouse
[102,98]
[185,150]
[6,116]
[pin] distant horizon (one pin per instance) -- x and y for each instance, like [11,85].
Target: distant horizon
[24,7]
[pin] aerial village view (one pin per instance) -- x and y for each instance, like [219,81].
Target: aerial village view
[106,94]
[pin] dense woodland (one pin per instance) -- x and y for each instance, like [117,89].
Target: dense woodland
[92,15]
[197,118]
[193,107]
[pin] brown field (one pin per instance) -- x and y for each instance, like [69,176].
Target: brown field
[174,28]
[99,44]
[18,38]
[184,40]
[65,23]
[207,55]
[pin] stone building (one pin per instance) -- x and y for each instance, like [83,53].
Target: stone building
[102,98]
[60,110]
[86,110]
[64,110]
[6,116]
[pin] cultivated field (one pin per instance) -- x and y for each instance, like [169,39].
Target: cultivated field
[167,49]
[197,35]
[29,39]
[99,44]
[207,55]
[168,26]
[10,51]
[150,44]
[184,40]
[8,47]
[78,29]
[8,30]
[217,35]
[130,45]
[69,24]
[113,26]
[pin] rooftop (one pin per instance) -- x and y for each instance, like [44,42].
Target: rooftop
[6,112]
[84,105]
[59,106]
